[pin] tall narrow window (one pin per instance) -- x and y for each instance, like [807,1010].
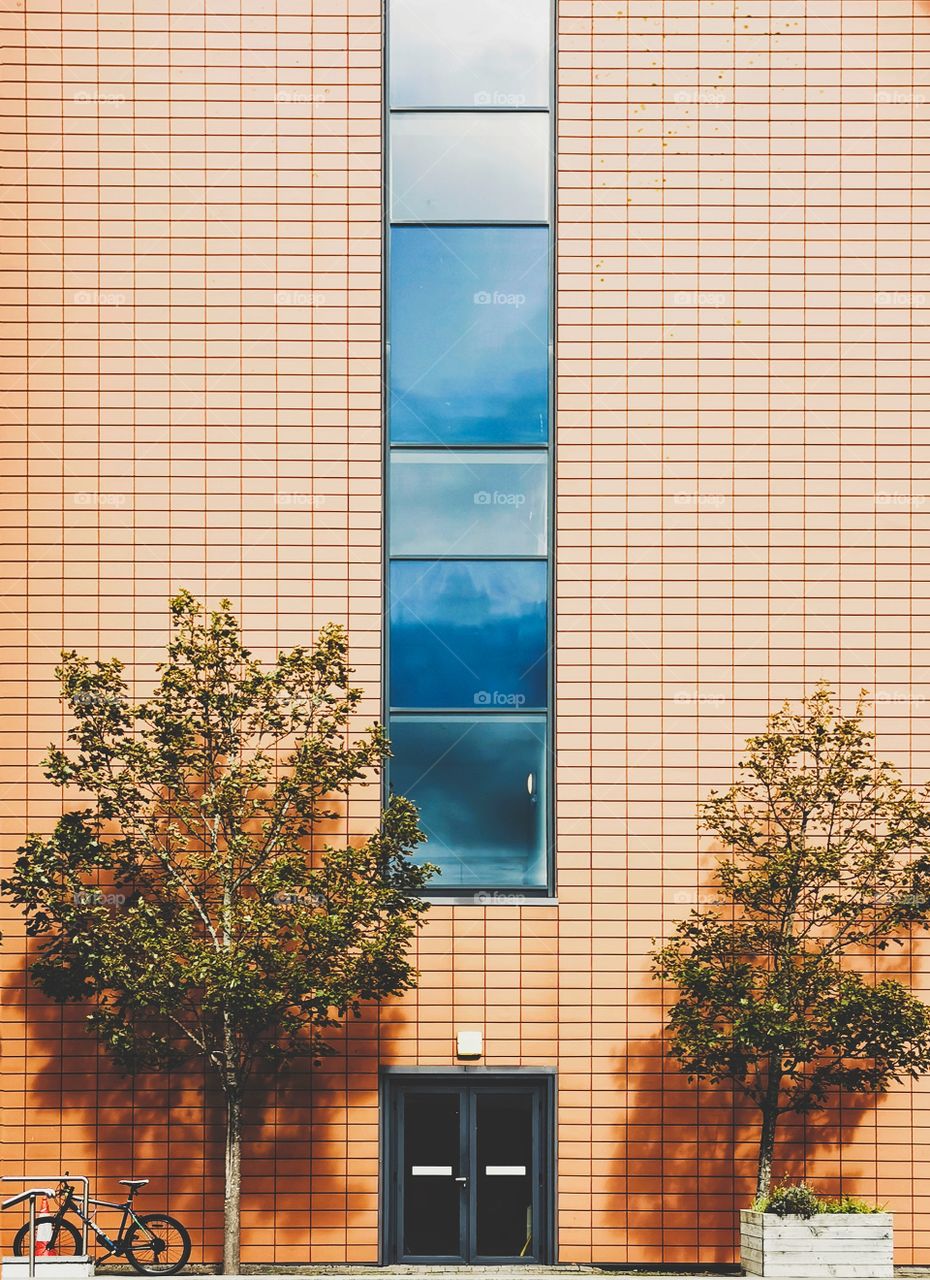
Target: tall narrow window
[468,392]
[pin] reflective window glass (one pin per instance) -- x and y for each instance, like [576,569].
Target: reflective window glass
[470,166]
[468,503]
[469,53]
[469,335]
[468,633]
[479,782]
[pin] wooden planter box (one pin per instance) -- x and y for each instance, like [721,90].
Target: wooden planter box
[851,1246]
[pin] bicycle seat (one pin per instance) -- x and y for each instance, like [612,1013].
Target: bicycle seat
[134,1183]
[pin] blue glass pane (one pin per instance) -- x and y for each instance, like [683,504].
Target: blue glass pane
[469,53]
[468,633]
[469,335]
[469,502]
[480,785]
[470,166]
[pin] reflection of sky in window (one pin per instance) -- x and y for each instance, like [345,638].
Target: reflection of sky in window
[479,783]
[465,53]
[469,357]
[490,166]
[468,633]
[468,503]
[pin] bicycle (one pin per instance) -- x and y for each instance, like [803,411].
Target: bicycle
[153,1244]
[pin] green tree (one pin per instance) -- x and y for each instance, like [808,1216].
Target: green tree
[192,896]
[825,863]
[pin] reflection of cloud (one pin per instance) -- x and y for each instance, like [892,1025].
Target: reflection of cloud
[468,776]
[458,370]
[444,54]
[487,166]
[474,412]
[458,627]
[468,503]
[479,591]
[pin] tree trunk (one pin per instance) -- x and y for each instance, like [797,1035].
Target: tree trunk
[770,1115]
[232,1088]
[233,1183]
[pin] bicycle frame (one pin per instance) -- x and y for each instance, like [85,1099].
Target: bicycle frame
[114,1248]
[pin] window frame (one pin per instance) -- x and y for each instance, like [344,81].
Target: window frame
[457,896]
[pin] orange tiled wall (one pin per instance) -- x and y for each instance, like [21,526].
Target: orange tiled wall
[192,373]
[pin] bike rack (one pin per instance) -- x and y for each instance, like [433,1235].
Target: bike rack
[32,1195]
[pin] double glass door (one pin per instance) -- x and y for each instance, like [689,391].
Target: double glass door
[468,1173]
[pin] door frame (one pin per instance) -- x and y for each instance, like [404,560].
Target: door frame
[543,1078]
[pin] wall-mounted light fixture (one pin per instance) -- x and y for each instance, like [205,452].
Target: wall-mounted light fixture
[468,1044]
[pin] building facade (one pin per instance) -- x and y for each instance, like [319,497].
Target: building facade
[573,359]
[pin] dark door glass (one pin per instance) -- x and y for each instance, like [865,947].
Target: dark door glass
[505,1162]
[470,1185]
[432,1205]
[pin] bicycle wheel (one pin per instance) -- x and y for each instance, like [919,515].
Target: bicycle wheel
[64,1240]
[159,1247]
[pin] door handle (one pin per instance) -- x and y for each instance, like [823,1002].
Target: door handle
[462,1180]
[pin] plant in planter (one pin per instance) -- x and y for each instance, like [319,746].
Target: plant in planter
[792,1231]
[826,859]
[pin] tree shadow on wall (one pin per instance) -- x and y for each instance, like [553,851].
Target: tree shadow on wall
[689,1152]
[75,1111]
[308,1192]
